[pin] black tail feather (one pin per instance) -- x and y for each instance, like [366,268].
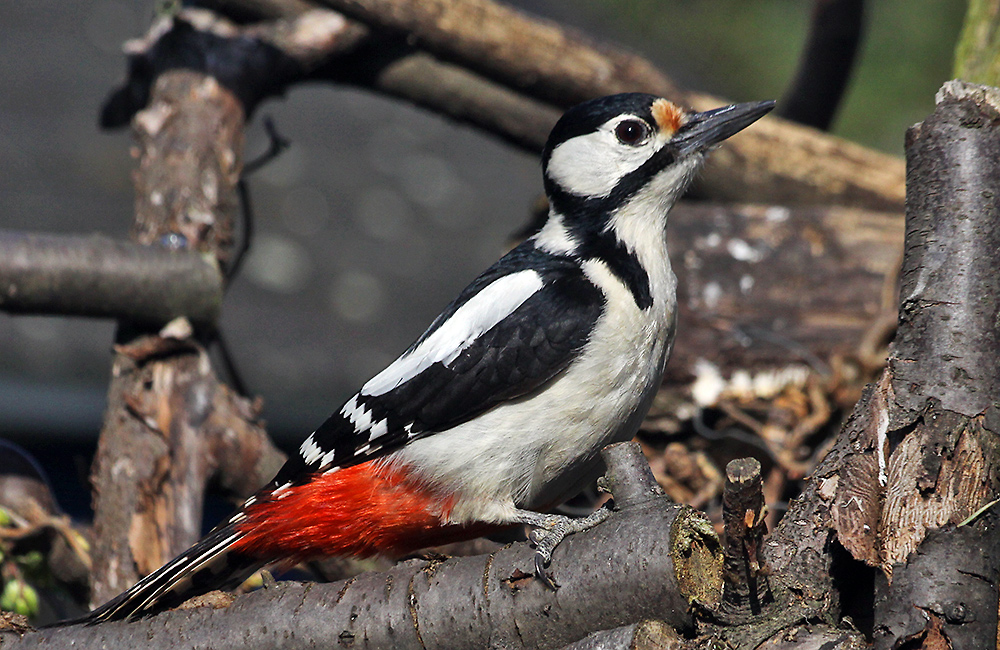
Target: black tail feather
[209,564]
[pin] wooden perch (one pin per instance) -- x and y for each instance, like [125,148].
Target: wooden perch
[70,275]
[920,452]
[650,560]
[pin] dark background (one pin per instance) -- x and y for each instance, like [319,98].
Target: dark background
[378,213]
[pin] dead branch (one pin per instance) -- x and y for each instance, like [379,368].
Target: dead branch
[777,163]
[96,276]
[167,412]
[920,451]
[650,560]
[780,163]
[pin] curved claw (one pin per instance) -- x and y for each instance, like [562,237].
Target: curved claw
[541,575]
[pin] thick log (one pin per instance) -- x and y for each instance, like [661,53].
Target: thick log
[920,453]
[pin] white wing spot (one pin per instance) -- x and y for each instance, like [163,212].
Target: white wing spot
[310,451]
[491,305]
[380,428]
[359,416]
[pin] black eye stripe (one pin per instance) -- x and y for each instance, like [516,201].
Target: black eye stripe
[632,132]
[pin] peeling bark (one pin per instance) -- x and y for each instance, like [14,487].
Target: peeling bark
[167,412]
[920,453]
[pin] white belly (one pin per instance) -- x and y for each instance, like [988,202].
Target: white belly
[537,451]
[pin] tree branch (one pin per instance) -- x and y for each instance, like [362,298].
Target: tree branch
[776,162]
[650,560]
[71,275]
[167,412]
[827,62]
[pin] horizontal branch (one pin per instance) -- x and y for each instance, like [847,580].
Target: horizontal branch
[650,560]
[774,162]
[71,275]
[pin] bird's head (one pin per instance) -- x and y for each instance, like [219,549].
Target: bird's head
[608,149]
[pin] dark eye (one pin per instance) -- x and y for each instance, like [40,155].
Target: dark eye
[631,132]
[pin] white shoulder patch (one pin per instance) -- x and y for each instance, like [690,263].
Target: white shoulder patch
[495,302]
[554,237]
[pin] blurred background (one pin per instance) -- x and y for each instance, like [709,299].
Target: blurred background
[377,214]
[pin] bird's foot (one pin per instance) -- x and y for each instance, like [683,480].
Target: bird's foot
[549,530]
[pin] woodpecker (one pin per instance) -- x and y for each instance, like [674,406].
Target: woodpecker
[498,412]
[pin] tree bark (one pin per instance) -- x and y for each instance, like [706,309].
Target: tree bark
[167,412]
[651,559]
[99,277]
[516,62]
[920,453]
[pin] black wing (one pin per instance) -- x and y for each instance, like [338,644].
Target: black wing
[538,340]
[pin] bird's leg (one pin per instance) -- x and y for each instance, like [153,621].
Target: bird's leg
[550,529]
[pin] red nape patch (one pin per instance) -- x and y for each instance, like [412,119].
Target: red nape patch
[358,511]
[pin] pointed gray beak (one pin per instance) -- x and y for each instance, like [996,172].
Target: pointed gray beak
[702,130]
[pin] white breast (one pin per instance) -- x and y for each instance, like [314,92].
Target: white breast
[539,450]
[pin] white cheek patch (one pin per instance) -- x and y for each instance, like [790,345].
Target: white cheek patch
[592,165]
[487,308]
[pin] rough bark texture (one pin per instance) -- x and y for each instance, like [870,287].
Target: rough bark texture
[945,379]
[639,560]
[746,586]
[561,67]
[815,637]
[920,453]
[647,635]
[167,412]
[100,277]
